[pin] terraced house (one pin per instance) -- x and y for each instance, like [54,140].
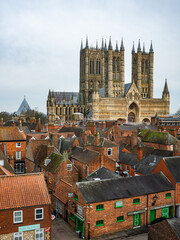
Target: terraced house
[106,206]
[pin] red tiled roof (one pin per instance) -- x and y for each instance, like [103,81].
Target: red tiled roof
[10,134]
[17,191]
[62,189]
[33,147]
[5,171]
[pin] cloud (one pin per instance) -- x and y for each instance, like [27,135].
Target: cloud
[40,43]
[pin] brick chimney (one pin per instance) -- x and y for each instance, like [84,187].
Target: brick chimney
[139,153]
[133,140]
[2,122]
[172,131]
[33,120]
[104,125]
[97,140]
[101,157]
[38,127]
[92,127]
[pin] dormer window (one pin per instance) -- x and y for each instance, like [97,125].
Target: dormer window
[69,167]
[47,161]
[109,151]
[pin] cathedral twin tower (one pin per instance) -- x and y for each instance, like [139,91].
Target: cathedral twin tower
[106,66]
[103,94]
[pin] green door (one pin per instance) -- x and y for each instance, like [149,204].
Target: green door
[165,212]
[152,215]
[136,220]
[80,225]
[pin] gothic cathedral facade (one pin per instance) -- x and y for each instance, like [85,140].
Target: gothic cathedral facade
[103,94]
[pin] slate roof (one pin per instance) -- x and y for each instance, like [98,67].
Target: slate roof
[11,134]
[65,144]
[147,164]
[84,155]
[76,130]
[68,96]
[127,158]
[111,189]
[173,164]
[126,87]
[158,137]
[102,173]
[103,142]
[175,225]
[24,107]
[33,147]
[18,191]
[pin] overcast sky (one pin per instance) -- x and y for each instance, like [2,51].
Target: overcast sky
[40,42]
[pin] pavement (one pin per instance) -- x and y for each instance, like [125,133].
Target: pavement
[61,230]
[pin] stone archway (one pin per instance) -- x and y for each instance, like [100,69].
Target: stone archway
[131,117]
[146,120]
[133,112]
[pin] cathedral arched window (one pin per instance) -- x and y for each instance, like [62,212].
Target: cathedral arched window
[91,66]
[114,64]
[118,63]
[98,67]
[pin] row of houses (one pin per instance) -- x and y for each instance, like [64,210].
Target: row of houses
[84,170]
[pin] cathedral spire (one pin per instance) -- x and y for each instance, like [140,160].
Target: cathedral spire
[102,47]
[165,87]
[49,95]
[151,47]
[117,46]
[81,44]
[165,93]
[122,45]
[110,45]
[87,46]
[96,44]
[139,47]
[105,47]
[133,50]
[144,51]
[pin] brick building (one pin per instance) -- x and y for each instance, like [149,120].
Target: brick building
[166,230]
[107,206]
[55,167]
[25,207]
[13,146]
[170,166]
[87,161]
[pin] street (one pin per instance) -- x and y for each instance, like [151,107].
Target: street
[63,231]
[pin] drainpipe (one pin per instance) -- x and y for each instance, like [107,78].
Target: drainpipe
[87,169]
[147,212]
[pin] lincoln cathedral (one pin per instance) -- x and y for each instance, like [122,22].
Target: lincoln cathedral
[103,93]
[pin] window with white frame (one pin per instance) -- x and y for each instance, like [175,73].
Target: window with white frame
[179,131]
[39,234]
[18,144]
[109,151]
[18,155]
[18,216]
[69,167]
[18,236]
[39,215]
